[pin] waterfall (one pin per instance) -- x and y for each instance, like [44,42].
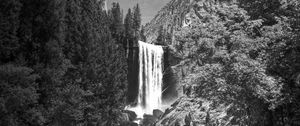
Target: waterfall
[150,79]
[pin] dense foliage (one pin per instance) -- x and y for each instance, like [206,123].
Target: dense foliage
[62,62]
[245,55]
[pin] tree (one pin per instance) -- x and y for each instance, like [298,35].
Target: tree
[161,38]
[19,96]
[60,64]
[283,61]
[282,32]
[136,20]
[9,25]
[117,27]
[226,64]
[129,30]
[42,38]
[99,68]
[142,35]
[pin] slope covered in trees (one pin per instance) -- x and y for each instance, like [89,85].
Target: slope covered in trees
[68,62]
[62,62]
[239,61]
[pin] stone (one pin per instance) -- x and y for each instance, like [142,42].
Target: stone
[149,120]
[128,123]
[195,112]
[157,113]
[131,115]
[124,117]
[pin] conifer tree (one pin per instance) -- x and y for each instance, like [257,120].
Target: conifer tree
[161,36]
[64,66]
[129,31]
[9,24]
[95,58]
[117,22]
[136,20]
[40,32]
[142,35]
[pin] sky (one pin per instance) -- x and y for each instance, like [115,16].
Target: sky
[149,8]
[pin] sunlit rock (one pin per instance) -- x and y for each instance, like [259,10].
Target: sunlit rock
[131,115]
[157,113]
[195,112]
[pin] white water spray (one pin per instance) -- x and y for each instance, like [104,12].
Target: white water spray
[150,79]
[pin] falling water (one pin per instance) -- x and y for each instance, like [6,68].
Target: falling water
[150,78]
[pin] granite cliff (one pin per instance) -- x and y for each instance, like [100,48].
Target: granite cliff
[208,58]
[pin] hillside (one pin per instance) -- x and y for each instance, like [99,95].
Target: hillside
[229,54]
[177,14]
[171,17]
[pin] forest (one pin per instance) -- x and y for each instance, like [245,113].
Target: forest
[62,62]
[65,62]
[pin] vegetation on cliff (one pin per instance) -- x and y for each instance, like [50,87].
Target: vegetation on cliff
[64,62]
[242,54]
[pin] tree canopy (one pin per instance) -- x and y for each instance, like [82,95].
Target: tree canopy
[246,55]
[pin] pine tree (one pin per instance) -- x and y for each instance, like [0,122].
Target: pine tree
[142,35]
[40,33]
[161,38]
[129,31]
[117,22]
[19,96]
[99,67]
[136,20]
[283,50]
[62,63]
[9,25]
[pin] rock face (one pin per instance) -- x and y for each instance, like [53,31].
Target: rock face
[177,14]
[128,123]
[170,17]
[128,118]
[187,110]
[148,120]
[195,112]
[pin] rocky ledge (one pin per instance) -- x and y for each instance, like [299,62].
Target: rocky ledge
[195,112]
[186,111]
[130,118]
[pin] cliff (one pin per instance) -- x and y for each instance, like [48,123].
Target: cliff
[171,17]
[209,57]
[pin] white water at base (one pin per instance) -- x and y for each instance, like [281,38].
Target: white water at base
[150,79]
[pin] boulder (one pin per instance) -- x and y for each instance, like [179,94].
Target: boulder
[124,117]
[131,115]
[149,120]
[188,111]
[157,113]
[128,123]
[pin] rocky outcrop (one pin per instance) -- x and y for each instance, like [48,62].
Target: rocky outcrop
[131,115]
[177,14]
[157,113]
[128,117]
[129,123]
[149,120]
[170,17]
[189,110]
[195,112]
